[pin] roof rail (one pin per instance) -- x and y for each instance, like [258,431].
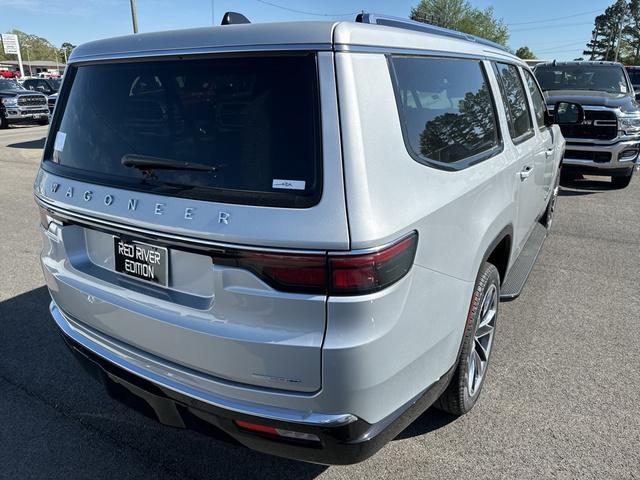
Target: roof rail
[389,21]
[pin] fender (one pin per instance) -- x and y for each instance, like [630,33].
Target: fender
[504,233]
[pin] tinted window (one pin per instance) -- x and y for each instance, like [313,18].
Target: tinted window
[446,108]
[602,78]
[515,99]
[539,106]
[634,75]
[255,119]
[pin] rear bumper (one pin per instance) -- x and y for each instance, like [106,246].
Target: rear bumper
[605,159]
[343,438]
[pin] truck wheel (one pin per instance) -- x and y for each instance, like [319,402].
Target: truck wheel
[547,218]
[473,362]
[3,122]
[622,182]
[43,122]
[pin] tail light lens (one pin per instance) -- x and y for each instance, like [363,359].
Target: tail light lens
[352,274]
[358,274]
[294,273]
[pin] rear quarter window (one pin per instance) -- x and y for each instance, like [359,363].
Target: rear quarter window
[446,110]
[254,118]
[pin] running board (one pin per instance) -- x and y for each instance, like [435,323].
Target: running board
[520,270]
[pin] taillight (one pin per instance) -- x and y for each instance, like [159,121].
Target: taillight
[333,274]
[370,272]
[296,273]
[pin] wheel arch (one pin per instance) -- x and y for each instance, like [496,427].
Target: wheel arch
[499,250]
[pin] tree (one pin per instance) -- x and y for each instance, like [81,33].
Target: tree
[66,49]
[32,46]
[525,53]
[631,34]
[460,15]
[608,31]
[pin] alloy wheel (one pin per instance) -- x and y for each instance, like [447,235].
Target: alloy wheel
[482,340]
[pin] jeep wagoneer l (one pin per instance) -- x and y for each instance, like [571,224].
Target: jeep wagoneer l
[298,232]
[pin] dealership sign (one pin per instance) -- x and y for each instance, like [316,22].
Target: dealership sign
[10,43]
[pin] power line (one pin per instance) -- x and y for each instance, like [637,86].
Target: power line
[562,46]
[308,13]
[554,19]
[564,25]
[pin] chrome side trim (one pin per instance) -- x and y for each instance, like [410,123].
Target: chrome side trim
[102,349]
[70,215]
[202,51]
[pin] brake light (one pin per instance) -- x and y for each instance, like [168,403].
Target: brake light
[296,273]
[358,274]
[330,274]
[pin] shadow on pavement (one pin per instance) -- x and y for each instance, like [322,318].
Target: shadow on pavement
[36,362]
[432,419]
[576,186]
[31,144]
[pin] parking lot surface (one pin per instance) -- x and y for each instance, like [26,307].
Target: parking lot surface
[562,399]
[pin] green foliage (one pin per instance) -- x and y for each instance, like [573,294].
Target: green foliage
[525,53]
[462,16]
[37,48]
[617,29]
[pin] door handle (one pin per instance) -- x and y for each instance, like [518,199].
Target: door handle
[524,174]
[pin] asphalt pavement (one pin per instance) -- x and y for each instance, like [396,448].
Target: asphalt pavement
[562,398]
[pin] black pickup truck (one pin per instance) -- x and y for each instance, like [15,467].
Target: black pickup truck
[18,105]
[608,140]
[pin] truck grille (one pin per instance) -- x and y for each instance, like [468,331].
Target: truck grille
[599,125]
[32,100]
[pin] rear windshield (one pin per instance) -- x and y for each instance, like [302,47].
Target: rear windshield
[582,77]
[239,130]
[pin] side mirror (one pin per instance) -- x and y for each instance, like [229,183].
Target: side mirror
[568,113]
[638,96]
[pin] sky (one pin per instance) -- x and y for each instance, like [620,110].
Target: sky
[551,28]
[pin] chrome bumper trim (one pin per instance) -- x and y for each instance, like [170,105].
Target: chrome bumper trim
[616,149]
[101,348]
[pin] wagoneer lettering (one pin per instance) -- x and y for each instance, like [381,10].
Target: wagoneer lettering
[383,204]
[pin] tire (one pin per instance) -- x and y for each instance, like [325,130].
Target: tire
[464,389]
[622,182]
[547,217]
[3,122]
[43,122]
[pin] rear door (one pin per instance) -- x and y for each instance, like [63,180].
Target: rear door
[236,229]
[527,147]
[547,151]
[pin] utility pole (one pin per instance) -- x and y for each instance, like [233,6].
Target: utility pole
[29,61]
[134,16]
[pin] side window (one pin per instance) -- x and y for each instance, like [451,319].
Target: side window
[446,109]
[539,106]
[515,100]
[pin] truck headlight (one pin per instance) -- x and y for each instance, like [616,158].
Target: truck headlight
[10,102]
[630,125]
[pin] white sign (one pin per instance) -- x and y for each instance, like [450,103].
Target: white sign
[10,43]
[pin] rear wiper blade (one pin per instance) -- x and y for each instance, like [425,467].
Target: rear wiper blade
[146,162]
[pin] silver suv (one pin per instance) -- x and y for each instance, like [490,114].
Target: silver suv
[296,232]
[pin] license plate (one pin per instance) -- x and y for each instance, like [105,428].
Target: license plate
[142,261]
